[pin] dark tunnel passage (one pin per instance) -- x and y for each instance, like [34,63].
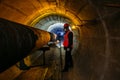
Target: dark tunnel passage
[96,28]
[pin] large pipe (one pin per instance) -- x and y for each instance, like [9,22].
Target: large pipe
[17,41]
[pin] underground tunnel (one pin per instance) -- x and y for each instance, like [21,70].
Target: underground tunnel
[96,28]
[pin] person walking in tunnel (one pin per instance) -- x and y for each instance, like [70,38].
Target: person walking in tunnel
[68,45]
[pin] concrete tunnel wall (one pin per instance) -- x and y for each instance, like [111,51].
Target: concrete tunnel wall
[98,55]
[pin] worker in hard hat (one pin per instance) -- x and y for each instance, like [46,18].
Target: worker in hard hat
[68,45]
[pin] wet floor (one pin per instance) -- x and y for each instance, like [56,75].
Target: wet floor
[51,70]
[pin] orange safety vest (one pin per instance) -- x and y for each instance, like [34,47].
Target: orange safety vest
[66,42]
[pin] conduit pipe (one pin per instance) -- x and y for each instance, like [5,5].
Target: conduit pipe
[17,41]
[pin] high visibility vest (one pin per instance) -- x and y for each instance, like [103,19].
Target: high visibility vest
[66,41]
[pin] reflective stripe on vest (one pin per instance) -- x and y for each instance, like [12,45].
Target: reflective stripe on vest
[65,42]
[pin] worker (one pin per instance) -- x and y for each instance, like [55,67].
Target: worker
[68,45]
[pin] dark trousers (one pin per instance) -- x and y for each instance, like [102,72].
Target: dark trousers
[68,59]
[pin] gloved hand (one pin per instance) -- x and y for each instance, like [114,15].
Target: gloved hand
[68,49]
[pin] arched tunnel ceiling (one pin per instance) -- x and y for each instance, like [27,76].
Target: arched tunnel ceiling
[45,22]
[79,11]
[24,11]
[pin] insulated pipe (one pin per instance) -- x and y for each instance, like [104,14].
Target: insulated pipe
[17,41]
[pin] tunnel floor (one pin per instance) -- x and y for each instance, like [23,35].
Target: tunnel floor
[51,70]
